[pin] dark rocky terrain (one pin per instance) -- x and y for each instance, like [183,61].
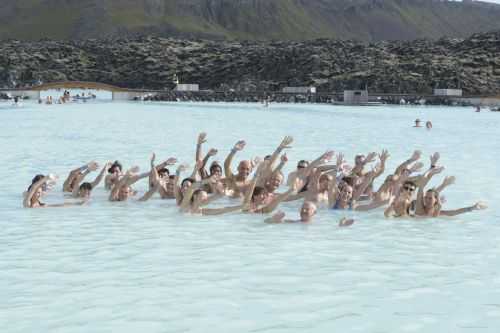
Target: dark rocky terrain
[331,65]
[367,20]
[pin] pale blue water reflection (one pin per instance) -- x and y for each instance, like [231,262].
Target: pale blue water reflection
[129,266]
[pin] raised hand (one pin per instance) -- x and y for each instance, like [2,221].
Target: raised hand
[416,155]
[416,167]
[202,138]
[436,171]
[212,152]
[370,158]
[479,206]
[52,178]
[326,157]
[434,159]
[240,145]
[384,156]
[287,141]
[449,181]
[134,169]
[278,217]
[171,161]
[92,166]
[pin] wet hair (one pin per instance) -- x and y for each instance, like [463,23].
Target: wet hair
[36,179]
[214,165]
[191,180]
[164,171]
[348,180]
[411,183]
[86,186]
[115,164]
[258,191]
[303,162]
[195,194]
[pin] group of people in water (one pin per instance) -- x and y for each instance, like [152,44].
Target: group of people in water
[325,182]
[66,98]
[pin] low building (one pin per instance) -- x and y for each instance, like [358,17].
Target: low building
[355,97]
[187,87]
[447,92]
[299,90]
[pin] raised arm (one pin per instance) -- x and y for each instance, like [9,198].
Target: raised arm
[380,169]
[279,199]
[415,157]
[455,212]
[154,178]
[85,169]
[34,188]
[203,172]
[220,211]
[357,169]
[100,177]
[177,190]
[285,144]
[422,183]
[229,159]
[202,138]
[446,182]
[359,190]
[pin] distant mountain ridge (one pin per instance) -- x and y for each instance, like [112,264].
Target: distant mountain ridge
[366,20]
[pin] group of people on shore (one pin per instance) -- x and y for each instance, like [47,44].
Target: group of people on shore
[325,182]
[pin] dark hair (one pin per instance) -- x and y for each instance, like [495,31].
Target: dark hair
[188,180]
[348,180]
[36,179]
[163,171]
[195,193]
[215,165]
[267,157]
[258,191]
[409,182]
[86,186]
[171,177]
[115,164]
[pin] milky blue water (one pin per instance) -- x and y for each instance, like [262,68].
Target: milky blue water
[129,267]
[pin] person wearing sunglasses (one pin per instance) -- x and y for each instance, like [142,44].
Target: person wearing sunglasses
[402,203]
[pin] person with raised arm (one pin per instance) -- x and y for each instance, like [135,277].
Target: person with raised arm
[429,204]
[34,194]
[122,190]
[346,196]
[195,198]
[163,173]
[113,176]
[84,190]
[238,183]
[401,204]
[78,173]
[270,166]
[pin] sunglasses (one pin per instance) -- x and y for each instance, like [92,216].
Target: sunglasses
[301,166]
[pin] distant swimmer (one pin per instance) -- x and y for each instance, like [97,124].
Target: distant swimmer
[417,123]
[478,108]
[428,125]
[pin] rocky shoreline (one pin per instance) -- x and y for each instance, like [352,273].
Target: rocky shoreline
[416,67]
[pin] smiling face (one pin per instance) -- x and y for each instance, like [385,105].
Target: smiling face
[430,199]
[244,169]
[345,192]
[124,193]
[307,211]
[274,182]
